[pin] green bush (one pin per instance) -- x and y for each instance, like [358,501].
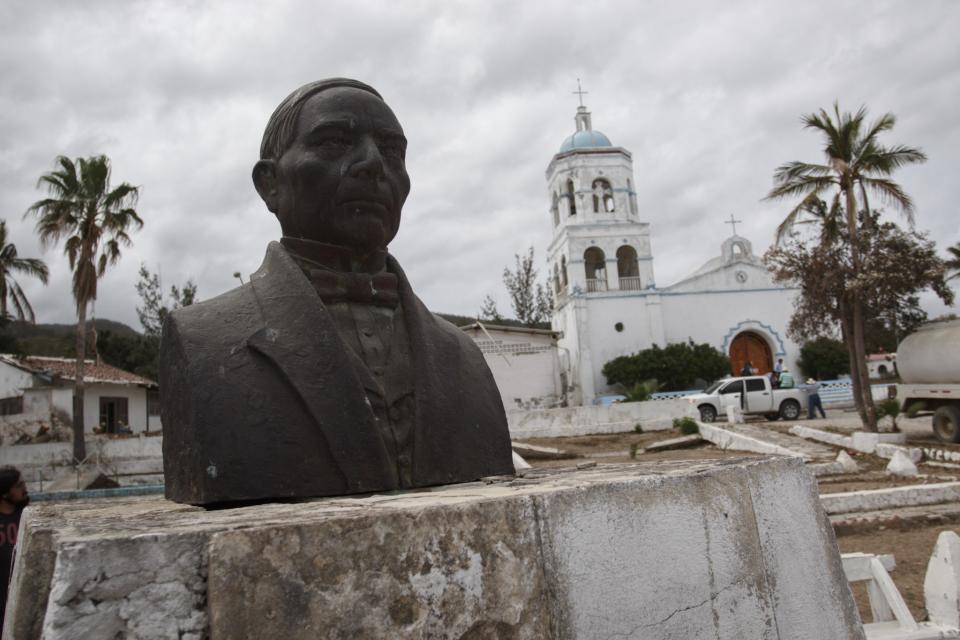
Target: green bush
[824,359]
[687,425]
[677,366]
[889,408]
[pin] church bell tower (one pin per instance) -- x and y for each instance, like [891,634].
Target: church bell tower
[600,261]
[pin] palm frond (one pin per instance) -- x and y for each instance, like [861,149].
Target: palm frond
[31,267]
[21,304]
[891,193]
[793,217]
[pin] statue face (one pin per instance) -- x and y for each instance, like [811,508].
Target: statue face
[343,180]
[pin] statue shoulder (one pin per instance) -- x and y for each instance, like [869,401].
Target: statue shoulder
[215,320]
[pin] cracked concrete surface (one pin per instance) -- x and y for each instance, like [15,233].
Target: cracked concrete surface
[724,549]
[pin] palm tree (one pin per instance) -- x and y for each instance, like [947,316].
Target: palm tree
[953,262]
[10,291]
[84,209]
[856,165]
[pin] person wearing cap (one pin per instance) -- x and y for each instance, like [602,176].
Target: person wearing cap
[812,387]
[13,499]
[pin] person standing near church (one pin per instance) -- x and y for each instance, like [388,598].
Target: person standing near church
[13,498]
[812,387]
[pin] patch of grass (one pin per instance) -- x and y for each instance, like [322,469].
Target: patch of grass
[633,450]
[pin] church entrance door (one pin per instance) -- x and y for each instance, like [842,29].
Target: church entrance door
[750,347]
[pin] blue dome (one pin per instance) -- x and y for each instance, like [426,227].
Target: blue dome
[588,139]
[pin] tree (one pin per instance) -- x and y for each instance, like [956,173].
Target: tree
[488,310]
[856,165]
[953,262]
[93,219]
[894,265]
[676,367]
[10,292]
[532,302]
[154,311]
[823,358]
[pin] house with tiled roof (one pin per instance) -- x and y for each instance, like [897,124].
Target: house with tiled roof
[114,400]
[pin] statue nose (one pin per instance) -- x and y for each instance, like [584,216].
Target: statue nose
[368,162]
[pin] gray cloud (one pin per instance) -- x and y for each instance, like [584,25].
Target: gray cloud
[707,97]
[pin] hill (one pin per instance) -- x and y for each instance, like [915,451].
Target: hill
[54,339]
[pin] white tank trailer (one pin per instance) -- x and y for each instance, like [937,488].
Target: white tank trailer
[929,365]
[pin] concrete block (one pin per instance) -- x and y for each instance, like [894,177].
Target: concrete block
[734,415]
[676,443]
[880,499]
[848,464]
[888,451]
[519,463]
[726,439]
[867,441]
[901,465]
[820,435]
[726,549]
[941,587]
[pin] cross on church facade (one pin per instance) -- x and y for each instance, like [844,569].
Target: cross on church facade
[733,222]
[580,92]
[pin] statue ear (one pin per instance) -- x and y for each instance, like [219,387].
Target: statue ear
[265,180]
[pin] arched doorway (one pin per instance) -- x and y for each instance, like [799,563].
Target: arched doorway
[750,346]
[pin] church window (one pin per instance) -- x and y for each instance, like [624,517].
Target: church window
[596,269]
[555,209]
[739,250]
[632,197]
[618,327]
[556,277]
[628,269]
[571,195]
[563,271]
[602,196]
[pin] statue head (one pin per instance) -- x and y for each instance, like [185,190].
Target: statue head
[332,165]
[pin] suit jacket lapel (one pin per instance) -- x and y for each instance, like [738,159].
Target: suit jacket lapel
[299,338]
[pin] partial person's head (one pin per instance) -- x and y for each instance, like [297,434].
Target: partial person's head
[13,489]
[332,165]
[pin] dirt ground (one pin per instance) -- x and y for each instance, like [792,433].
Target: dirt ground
[910,547]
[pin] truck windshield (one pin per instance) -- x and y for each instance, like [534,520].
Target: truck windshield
[713,388]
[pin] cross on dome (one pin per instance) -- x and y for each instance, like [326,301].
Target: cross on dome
[733,222]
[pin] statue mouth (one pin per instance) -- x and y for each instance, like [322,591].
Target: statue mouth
[366,205]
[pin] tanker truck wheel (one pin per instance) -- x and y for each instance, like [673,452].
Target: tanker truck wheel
[946,423]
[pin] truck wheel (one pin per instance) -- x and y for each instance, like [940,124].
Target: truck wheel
[707,413]
[790,410]
[946,423]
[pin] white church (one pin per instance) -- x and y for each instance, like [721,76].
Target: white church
[608,303]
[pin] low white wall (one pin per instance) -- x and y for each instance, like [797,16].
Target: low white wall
[578,421]
[58,453]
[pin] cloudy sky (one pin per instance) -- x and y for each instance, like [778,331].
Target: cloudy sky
[707,96]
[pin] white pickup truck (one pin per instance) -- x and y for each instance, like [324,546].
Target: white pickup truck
[753,394]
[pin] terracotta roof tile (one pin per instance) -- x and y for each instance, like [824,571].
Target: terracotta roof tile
[93,372]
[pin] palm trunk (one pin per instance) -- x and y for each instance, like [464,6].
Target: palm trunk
[858,370]
[79,444]
[846,329]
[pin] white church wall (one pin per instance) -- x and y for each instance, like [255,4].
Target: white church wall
[718,317]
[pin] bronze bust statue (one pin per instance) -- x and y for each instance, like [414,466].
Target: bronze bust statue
[325,374]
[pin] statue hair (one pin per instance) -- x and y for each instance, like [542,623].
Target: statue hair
[282,126]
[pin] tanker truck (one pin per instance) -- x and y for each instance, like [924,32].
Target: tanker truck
[929,365]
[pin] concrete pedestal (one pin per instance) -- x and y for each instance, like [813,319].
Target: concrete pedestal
[730,549]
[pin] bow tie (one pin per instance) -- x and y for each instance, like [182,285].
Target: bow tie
[351,286]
